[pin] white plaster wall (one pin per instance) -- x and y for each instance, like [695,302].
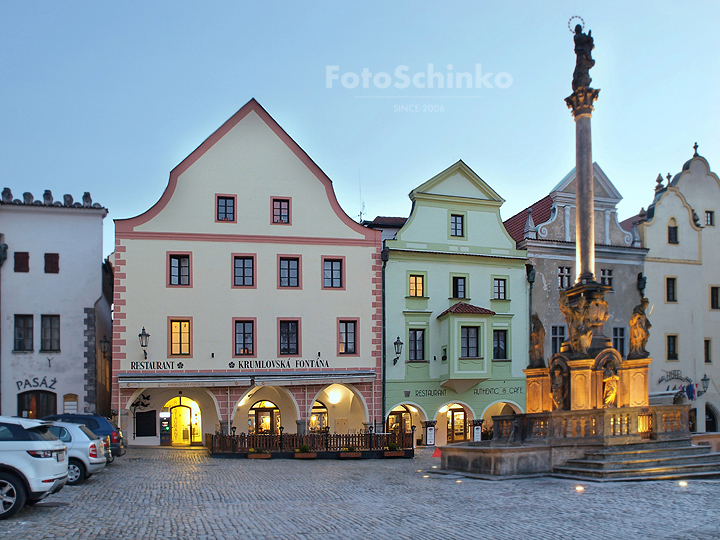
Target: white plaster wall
[213,303]
[694,261]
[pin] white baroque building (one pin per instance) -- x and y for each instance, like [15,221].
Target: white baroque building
[54,306]
[683,284]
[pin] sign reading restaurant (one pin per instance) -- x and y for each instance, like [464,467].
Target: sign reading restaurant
[280,363]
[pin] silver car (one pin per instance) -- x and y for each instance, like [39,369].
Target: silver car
[85,450]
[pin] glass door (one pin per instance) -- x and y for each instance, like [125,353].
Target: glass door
[180,422]
[456,425]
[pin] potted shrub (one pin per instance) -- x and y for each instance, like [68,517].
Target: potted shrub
[349,453]
[391,450]
[304,453]
[258,453]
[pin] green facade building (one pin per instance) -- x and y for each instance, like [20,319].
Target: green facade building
[456,312]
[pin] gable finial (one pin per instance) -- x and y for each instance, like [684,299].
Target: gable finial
[695,146]
[668,178]
[659,184]
[529,230]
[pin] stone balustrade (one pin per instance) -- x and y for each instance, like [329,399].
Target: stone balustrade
[627,424]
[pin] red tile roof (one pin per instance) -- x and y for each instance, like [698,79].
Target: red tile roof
[463,307]
[627,224]
[540,213]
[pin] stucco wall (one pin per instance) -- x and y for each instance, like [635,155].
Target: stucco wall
[76,235]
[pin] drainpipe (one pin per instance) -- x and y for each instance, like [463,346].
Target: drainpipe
[384,256]
[3,256]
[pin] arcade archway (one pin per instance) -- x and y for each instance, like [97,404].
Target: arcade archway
[454,423]
[500,408]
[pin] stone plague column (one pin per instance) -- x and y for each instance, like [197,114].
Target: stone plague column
[581,103]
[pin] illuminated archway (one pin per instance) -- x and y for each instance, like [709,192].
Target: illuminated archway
[498,408]
[347,411]
[180,422]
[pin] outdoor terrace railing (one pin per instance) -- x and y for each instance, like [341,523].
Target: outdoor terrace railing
[317,442]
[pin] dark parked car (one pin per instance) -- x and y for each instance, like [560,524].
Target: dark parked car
[99,425]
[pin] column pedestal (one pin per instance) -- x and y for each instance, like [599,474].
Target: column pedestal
[580,384]
[539,397]
[633,383]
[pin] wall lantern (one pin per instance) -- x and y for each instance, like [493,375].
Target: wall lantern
[398,349]
[705,382]
[105,347]
[144,337]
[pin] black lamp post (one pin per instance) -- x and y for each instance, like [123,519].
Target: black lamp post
[398,349]
[144,337]
[705,383]
[105,347]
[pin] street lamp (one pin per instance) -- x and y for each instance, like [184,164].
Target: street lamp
[705,384]
[144,337]
[105,347]
[398,349]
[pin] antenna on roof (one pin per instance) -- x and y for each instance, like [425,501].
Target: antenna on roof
[362,203]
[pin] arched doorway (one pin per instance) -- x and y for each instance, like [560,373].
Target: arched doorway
[711,419]
[180,422]
[318,417]
[457,421]
[399,420]
[37,404]
[264,418]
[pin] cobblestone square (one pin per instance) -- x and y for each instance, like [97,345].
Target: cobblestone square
[186,494]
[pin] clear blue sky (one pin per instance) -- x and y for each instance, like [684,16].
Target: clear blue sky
[108,97]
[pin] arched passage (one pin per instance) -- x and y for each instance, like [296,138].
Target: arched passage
[711,418]
[499,408]
[345,408]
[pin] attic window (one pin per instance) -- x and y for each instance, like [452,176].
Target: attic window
[225,208]
[281,211]
[672,232]
[52,263]
[457,226]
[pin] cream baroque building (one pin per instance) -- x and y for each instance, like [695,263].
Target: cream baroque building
[260,296]
[683,283]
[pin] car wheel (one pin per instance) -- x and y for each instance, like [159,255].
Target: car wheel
[76,472]
[12,495]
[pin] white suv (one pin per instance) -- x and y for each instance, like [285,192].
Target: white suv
[33,463]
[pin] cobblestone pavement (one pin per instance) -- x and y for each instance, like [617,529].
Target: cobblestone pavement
[186,494]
